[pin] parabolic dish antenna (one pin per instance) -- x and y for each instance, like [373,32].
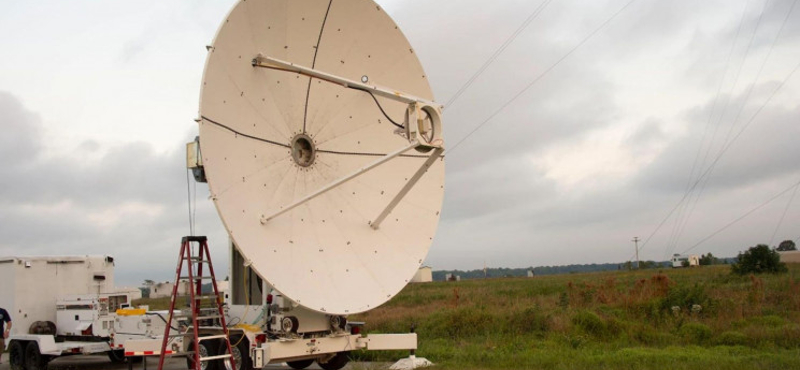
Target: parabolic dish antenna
[331,202]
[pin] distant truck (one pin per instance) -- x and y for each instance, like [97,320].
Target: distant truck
[65,305]
[680,260]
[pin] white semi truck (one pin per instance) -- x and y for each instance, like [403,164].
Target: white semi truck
[66,305]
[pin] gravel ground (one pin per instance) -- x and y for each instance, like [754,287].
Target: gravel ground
[101,362]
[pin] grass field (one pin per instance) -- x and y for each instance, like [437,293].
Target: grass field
[698,318]
[692,318]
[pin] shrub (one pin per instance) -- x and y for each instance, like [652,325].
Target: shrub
[757,260]
[653,337]
[695,333]
[771,321]
[731,338]
[686,297]
[592,324]
[528,320]
[459,323]
[589,322]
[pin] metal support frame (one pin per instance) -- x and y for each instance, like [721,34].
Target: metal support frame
[273,63]
[406,188]
[413,132]
[361,171]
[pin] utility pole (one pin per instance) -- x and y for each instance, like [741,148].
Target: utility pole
[636,244]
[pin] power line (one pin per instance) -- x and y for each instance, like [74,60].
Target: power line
[778,226]
[744,102]
[497,52]
[721,153]
[553,66]
[681,222]
[763,64]
[795,185]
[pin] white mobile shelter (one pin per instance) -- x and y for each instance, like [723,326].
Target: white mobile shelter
[32,285]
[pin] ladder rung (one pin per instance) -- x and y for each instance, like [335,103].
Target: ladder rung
[212,337]
[180,335]
[217,357]
[198,277]
[196,259]
[205,297]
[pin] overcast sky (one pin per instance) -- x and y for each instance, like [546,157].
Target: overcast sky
[598,145]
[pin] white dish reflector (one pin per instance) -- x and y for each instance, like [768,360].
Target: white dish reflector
[270,137]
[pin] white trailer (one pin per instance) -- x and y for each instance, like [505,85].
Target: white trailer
[268,328]
[60,305]
[679,260]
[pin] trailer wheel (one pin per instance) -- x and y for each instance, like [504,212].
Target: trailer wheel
[207,348]
[34,359]
[300,364]
[16,355]
[117,356]
[336,362]
[289,324]
[241,353]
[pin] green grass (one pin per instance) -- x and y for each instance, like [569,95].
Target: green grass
[699,318]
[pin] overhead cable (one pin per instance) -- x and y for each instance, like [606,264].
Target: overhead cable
[497,52]
[538,78]
[793,186]
[780,221]
[683,223]
[721,153]
[744,102]
[676,228]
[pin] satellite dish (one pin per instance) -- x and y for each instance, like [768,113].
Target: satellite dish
[331,202]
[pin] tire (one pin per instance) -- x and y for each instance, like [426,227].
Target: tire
[34,359]
[42,327]
[300,364]
[207,348]
[241,354]
[116,356]
[16,355]
[289,324]
[336,362]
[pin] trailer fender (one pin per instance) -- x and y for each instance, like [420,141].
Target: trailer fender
[47,343]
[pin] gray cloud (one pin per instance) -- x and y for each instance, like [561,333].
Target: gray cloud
[131,202]
[766,148]
[633,102]
[21,130]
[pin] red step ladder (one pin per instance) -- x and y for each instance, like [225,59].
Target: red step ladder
[194,269]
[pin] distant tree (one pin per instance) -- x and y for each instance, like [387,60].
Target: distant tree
[648,264]
[787,245]
[148,282]
[708,260]
[758,259]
